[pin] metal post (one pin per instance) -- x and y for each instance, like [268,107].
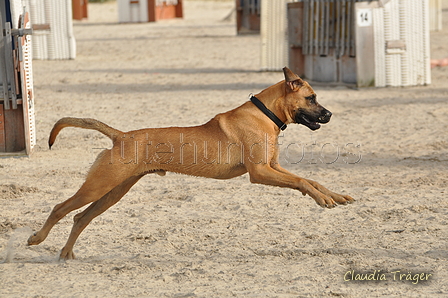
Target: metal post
[306,10]
[327,26]
[311,34]
[343,35]
[338,24]
[9,63]
[352,30]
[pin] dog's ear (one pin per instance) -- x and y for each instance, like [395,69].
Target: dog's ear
[293,81]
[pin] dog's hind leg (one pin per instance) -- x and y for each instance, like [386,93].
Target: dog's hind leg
[81,220]
[101,179]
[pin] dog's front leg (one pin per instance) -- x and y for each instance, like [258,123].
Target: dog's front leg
[340,199]
[265,174]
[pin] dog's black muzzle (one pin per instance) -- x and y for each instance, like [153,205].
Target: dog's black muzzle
[325,116]
[312,120]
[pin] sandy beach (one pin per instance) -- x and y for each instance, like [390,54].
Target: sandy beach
[181,236]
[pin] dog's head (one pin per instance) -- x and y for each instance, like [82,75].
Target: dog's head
[301,102]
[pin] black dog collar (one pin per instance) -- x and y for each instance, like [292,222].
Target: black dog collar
[268,112]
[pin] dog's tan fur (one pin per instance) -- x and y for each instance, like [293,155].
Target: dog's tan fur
[229,145]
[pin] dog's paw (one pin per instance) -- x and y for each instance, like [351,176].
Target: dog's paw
[349,199]
[66,254]
[325,201]
[341,199]
[35,239]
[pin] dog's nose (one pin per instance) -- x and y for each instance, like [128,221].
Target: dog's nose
[325,116]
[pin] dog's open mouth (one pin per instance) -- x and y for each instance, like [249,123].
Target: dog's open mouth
[303,119]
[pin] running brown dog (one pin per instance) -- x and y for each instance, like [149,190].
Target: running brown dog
[229,145]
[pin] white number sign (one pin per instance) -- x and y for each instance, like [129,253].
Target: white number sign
[364,17]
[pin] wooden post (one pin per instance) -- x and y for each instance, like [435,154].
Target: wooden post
[365,55]
[14,117]
[151,10]
[295,38]
[79,8]
[14,130]
[27,94]
[164,11]
[179,9]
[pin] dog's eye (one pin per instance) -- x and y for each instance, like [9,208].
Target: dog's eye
[311,98]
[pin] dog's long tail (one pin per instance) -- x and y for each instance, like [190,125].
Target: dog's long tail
[86,123]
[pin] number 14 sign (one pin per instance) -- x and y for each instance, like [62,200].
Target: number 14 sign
[364,17]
